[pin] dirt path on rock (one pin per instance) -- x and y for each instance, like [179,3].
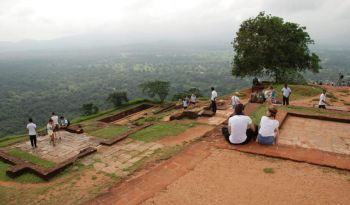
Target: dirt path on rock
[230,177]
[203,174]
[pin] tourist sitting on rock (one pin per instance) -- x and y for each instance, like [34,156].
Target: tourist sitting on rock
[261,97]
[235,100]
[64,122]
[184,103]
[267,95]
[268,131]
[241,129]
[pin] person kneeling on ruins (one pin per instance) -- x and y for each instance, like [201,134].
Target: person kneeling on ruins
[241,129]
[268,131]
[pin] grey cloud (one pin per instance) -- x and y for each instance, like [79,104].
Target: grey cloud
[210,20]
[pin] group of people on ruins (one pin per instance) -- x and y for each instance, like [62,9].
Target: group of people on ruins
[54,124]
[241,128]
[189,100]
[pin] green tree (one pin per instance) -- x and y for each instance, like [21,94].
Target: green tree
[117,98]
[266,45]
[156,87]
[89,109]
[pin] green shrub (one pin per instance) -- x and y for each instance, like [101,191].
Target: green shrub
[269,170]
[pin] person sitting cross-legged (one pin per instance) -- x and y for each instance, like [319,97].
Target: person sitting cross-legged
[268,131]
[241,129]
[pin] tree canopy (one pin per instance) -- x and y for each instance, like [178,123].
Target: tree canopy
[267,45]
[117,98]
[156,87]
[89,109]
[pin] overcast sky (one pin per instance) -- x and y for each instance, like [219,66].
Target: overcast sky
[327,21]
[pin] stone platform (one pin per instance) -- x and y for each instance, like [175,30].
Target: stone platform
[69,146]
[316,134]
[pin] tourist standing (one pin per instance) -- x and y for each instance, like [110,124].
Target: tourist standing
[268,131]
[213,97]
[50,131]
[56,125]
[235,100]
[31,127]
[322,103]
[286,91]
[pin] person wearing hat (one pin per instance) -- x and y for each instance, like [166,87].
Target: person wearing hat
[268,131]
[235,100]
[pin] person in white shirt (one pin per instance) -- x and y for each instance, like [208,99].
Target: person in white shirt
[193,99]
[185,103]
[322,103]
[31,127]
[268,131]
[56,125]
[241,129]
[64,123]
[213,97]
[235,100]
[286,91]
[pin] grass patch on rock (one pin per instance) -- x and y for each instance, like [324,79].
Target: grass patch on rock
[299,91]
[109,132]
[24,178]
[258,113]
[31,158]
[269,170]
[158,131]
[5,141]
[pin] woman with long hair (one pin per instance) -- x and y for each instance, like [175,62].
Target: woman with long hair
[268,131]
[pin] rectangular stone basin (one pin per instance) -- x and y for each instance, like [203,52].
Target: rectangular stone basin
[323,135]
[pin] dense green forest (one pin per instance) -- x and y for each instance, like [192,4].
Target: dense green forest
[33,84]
